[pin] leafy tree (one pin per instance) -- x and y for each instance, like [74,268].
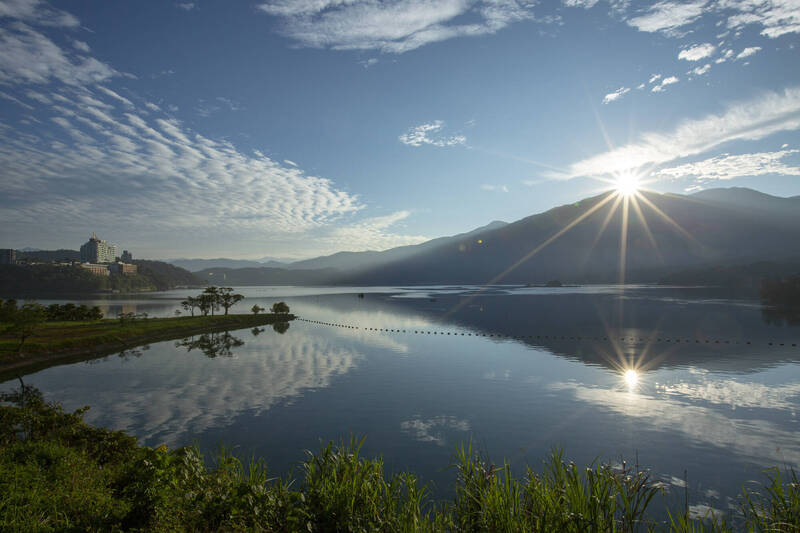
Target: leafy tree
[280,308]
[7,310]
[26,321]
[126,317]
[190,303]
[226,298]
[210,297]
[257,309]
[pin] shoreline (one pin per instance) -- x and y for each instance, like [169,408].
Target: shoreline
[68,342]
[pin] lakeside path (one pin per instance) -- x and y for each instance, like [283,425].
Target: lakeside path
[67,342]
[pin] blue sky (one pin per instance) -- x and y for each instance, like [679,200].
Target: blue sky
[291,129]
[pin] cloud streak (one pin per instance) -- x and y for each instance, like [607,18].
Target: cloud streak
[395,26]
[616,95]
[431,134]
[751,120]
[727,167]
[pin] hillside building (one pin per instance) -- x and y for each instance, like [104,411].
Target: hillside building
[7,256]
[98,251]
[118,267]
[97,270]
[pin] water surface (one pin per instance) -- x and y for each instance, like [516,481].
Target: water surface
[693,384]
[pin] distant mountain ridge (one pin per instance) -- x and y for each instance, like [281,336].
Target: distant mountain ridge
[339,260]
[717,226]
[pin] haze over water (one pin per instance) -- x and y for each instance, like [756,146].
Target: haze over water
[695,386]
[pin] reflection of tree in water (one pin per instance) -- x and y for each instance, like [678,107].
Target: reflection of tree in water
[133,352]
[776,316]
[280,327]
[257,331]
[212,344]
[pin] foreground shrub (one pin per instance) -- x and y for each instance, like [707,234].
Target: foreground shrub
[59,474]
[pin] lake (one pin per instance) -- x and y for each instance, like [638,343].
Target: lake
[695,386]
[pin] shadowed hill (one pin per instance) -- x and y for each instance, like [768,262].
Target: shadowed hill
[678,232]
[580,242]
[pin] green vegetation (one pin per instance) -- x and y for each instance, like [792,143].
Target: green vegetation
[213,299]
[59,474]
[38,279]
[46,343]
[165,276]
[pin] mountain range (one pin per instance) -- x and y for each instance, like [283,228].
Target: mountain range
[579,242]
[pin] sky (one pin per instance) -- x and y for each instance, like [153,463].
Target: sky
[289,129]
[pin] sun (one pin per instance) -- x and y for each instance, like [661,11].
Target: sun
[627,185]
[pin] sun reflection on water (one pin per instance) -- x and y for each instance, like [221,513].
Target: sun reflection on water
[631,378]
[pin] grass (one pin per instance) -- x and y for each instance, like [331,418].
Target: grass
[55,341]
[59,474]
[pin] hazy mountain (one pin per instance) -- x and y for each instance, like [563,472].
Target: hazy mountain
[195,265]
[345,261]
[749,199]
[267,276]
[357,261]
[34,254]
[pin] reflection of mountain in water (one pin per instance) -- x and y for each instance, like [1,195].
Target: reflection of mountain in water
[173,396]
[573,325]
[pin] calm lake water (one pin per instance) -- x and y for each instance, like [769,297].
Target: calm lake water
[701,388]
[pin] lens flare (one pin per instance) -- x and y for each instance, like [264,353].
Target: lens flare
[627,185]
[631,378]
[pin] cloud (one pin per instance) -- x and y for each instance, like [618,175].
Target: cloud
[725,56]
[699,71]
[30,57]
[500,188]
[616,95]
[776,17]
[751,120]
[666,81]
[697,52]
[187,6]
[37,12]
[368,234]
[430,133]
[667,17]
[747,52]
[726,167]
[82,46]
[369,62]
[395,27]
[586,4]
[206,109]
[654,78]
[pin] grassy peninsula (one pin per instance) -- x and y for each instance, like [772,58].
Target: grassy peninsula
[59,474]
[55,342]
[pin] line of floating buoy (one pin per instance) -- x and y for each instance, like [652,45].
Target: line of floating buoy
[629,339]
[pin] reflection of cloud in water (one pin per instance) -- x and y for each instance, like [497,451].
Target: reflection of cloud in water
[174,398]
[373,318]
[433,429]
[758,440]
[737,394]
